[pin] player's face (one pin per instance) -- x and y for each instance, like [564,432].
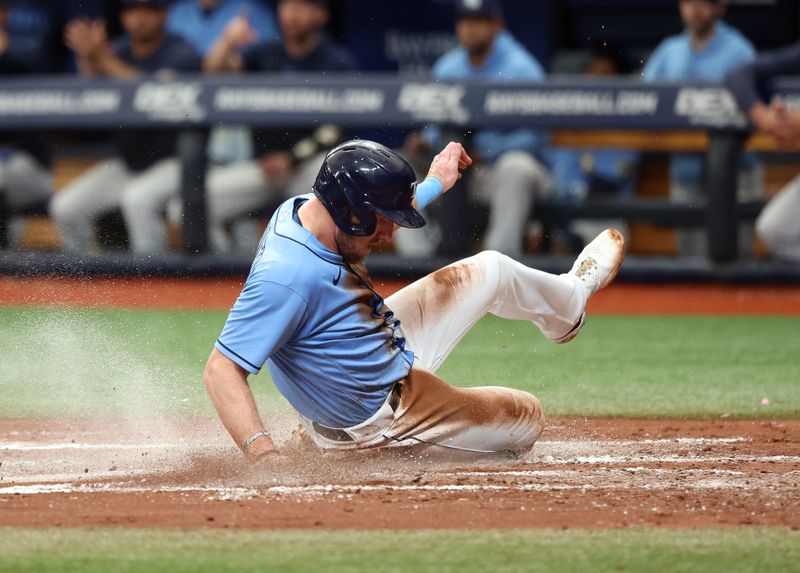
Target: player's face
[144,23]
[477,34]
[355,249]
[299,18]
[699,15]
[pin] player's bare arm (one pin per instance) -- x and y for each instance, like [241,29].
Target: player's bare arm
[224,56]
[226,384]
[445,168]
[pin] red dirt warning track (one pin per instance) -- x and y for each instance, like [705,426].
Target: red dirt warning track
[221,293]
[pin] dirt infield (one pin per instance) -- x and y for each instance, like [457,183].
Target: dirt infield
[221,293]
[584,473]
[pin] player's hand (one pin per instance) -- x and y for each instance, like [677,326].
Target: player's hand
[86,37]
[447,165]
[277,166]
[785,121]
[239,33]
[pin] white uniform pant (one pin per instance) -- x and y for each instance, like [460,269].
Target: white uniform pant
[110,185]
[694,242]
[23,182]
[436,312]
[779,223]
[233,191]
[511,186]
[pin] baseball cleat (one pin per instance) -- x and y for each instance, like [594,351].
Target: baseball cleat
[572,333]
[599,262]
[596,267]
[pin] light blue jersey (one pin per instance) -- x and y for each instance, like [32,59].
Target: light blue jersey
[201,27]
[332,347]
[508,61]
[675,59]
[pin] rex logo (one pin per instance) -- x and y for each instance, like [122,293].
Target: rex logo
[173,101]
[434,102]
[712,106]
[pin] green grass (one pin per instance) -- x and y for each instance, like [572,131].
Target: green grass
[170,551]
[97,362]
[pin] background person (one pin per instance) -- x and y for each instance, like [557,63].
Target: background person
[779,222]
[202,23]
[287,160]
[706,51]
[510,176]
[580,174]
[25,156]
[140,179]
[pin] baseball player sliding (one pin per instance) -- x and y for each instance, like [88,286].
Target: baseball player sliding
[360,370]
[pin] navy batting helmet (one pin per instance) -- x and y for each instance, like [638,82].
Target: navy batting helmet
[362,178]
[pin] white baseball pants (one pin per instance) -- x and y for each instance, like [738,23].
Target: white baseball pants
[694,242]
[109,185]
[233,191]
[511,187]
[436,312]
[23,182]
[779,223]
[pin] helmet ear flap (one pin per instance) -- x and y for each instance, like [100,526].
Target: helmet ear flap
[367,221]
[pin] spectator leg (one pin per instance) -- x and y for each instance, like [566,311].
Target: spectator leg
[144,200]
[778,225]
[234,191]
[26,183]
[690,242]
[516,181]
[4,220]
[4,214]
[95,192]
[750,188]
[305,176]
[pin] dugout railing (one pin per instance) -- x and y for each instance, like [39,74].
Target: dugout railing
[575,111]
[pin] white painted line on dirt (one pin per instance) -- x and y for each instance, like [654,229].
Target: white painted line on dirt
[674,459]
[50,488]
[582,473]
[561,444]
[75,477]
[321,490]
[39,446]
[648,442]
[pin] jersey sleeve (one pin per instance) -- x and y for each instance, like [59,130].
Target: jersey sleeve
[264,318]
[653,69]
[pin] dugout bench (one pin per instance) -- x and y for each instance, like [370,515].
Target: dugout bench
[594,112]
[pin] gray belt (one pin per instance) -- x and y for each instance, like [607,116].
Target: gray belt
[339,435]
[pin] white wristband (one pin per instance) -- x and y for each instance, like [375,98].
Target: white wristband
[254,437]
